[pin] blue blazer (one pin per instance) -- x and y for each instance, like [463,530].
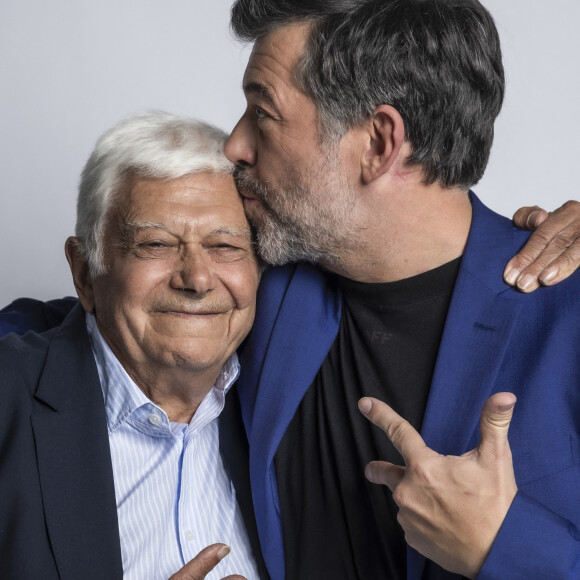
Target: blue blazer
[495,339]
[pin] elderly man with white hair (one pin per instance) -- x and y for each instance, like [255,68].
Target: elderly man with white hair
[110,463]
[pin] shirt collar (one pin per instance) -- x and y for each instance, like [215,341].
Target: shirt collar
[126,402]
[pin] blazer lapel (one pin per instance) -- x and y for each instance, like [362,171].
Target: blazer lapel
[477,331]
[235,454]
[74,462]
[297,322]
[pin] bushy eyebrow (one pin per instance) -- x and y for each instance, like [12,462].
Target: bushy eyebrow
[129,229]
[261,90]
[143,225]
[243,234]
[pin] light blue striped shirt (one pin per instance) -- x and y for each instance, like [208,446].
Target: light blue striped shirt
[174,497]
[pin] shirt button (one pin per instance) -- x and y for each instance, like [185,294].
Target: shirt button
[189,535]
[154,419]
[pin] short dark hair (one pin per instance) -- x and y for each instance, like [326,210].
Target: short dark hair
[438,62]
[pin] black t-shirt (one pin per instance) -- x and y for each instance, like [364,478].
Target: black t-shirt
[335,523]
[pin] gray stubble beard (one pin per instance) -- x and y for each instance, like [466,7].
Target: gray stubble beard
[300,231]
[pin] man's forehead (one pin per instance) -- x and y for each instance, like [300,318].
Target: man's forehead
[191,197]
[281,48]
[203,186]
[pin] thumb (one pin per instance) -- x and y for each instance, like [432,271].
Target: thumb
[494,425]
[203,563]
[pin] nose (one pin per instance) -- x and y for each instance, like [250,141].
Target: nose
[194,272]
[240,148]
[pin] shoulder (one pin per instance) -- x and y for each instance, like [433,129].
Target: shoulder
[30,314]
[23,356]
[22,359]
[16,349]
[278,281]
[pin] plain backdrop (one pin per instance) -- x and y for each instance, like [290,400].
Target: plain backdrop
[69,70]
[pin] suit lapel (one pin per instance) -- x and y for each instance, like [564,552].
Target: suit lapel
[74,462]
[235,454]
[297,322]
[477,330]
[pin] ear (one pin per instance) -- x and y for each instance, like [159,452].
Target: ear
[386,135]
[80,273]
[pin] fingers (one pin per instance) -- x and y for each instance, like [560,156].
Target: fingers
[553,251]
[530,217]
[203,563]
[401,433]
[565,264]
[494,425]
[384,473]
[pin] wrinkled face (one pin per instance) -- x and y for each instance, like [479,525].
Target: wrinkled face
[181,279]
[296,189]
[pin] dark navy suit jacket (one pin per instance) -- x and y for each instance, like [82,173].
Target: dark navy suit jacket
[495,339]
[58,515]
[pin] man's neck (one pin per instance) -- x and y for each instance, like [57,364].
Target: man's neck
[407,232]
[178,390]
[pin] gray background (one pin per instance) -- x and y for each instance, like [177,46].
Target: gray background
[71,69]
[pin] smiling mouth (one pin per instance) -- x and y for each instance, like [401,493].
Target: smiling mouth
[188,313]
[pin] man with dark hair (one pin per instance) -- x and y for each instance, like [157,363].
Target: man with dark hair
[367,123]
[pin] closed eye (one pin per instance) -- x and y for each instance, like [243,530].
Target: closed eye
[152,244]
[260,113]
[154,249]
[228,252]
[228,247]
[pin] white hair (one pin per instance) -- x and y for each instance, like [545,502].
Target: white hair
[152,145]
